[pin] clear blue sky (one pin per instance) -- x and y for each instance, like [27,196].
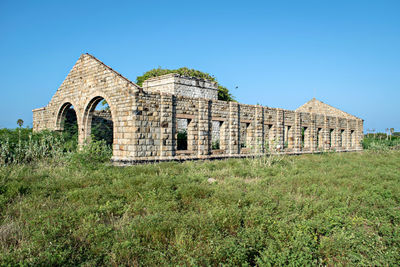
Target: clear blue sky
[279,53]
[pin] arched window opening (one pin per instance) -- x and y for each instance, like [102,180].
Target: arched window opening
[244,135]
[98,121]
[102,124]
[67,123]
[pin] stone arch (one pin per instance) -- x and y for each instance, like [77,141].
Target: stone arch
[87,117]
[61,115]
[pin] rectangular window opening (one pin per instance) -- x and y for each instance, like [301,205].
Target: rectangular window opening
[244,127]
[182,134]
[216,135]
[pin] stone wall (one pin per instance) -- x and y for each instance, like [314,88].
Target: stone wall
[146,121]
[243,129]
[176,84]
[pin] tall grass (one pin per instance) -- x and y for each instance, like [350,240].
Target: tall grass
[21,145]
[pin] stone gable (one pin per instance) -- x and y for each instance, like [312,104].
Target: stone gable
[317,106]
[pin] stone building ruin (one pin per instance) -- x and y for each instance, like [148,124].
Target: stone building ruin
[180,118]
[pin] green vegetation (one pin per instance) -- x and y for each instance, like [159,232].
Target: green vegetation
[381,142]
[71,208]
[21,145]
[223,92]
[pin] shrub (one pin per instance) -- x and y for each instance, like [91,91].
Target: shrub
[92,153]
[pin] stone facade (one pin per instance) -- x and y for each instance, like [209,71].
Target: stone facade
[146,120]
[183,86]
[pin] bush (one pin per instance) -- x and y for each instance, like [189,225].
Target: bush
[92,153]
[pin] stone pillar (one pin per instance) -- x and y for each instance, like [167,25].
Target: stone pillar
[326,138]
[337,133]
[83,137]
[233,128]
[84,134]
[279,138]
[259,129]
[347,135]
[285,136]
[204,129]
[297,132]
[313,133]
[167,126]
[360,133]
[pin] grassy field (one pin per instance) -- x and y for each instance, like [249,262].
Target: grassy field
[312,209]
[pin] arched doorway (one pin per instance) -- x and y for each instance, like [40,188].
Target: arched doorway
[97,121]
[67,123]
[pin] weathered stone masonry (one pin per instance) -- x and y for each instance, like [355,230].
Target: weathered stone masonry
[146,120]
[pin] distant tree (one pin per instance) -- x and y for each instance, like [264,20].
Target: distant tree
[105,105]
[20,122]
[223,92]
